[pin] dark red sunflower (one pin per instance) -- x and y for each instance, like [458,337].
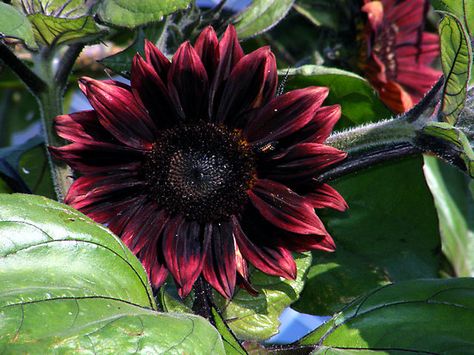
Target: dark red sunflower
[399,53]
[199,168]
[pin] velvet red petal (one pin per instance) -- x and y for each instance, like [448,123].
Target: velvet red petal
[252,83]
[188,83]
[284,208]
[303,161]
[82,127]
[219,264]
[158,60]
[276,261]
[230,52]
[182,251]
[302,243]
[120,113]
[327,197]
[96,157]
[150,89]
[285,114]
[207,47]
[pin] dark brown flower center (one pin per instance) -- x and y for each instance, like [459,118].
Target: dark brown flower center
[384,48]
[201,171]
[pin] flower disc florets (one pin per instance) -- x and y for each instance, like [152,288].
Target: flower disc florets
[200,168]
[201,171]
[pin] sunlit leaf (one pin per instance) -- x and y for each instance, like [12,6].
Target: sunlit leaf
[261,16]
[133,13]
[452,192]
[51,30]
[14,24]
[456,60]
[418,316]
[462,9]
[68,285]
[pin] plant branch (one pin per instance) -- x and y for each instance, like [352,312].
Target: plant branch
[355,163]
[67,62]
[31,80]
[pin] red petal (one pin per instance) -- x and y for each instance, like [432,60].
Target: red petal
[285,114]
[207,47]
[188,83]
[82,127]
[219,264]
[302,243]
[96,157]
[230,53]
[395,97]
[285,209]
[157,59]
[149,88]
[276,261]
[90,190]
[326,197]
[302,161]
[183,253]
[251,84]
[120,113]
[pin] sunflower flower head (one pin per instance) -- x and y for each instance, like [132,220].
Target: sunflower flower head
[200,168]
[398,53]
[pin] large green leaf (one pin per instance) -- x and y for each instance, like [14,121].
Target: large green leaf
[50,30]
[260,16]
[454,201]
[418,316]
[456,60]
[68,285]
[256,317]
[37,233]
[388,234]
[357,98]
[462,9]
[133,13]
[15,25]
[102,326]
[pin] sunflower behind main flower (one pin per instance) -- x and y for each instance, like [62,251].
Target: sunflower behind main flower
[199,168]
[398,52]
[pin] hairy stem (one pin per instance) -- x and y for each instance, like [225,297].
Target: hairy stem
[67,62]
[203,299]
[24,73]
[50,103]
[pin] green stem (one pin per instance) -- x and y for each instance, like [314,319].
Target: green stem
[374,136]
[50,103]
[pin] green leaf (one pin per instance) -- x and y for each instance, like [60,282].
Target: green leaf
[454,201]
[260,16]
[389,233]
[456,60]
[357,98]
[14,24]
[462,9]
[458,140]
[256,317]
[102,326]
[231,344]
[423,316]
[133,13]
[58,8]
[38,233]
[53,31]
[68,285]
